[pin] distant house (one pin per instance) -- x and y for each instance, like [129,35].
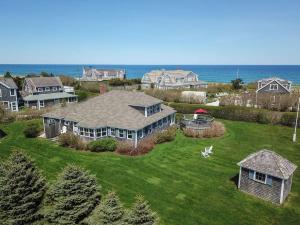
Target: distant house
[93,74]
[266,175]
[124,115]
[9,94]
[39,92]
[171,79]
[274,85]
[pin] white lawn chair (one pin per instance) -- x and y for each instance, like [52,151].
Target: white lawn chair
[205,154]
[209,150]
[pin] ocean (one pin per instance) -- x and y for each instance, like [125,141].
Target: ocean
[209,73]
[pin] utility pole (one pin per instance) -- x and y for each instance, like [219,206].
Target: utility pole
[296,124]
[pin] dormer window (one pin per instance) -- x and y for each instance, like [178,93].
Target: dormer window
[47,89]
[54,88]
[40,89]
[273,86]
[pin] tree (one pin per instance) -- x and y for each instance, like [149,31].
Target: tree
[22,189]
[7,74]
[237,83]
[110,211]
[141,213]
[72,198]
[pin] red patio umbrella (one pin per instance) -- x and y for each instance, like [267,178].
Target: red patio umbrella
[200,111]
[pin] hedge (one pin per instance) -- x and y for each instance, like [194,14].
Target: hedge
[240,113]
[103,145]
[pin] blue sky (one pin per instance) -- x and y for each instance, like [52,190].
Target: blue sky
[150,31]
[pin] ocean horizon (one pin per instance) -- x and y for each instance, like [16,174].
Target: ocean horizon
[209,73]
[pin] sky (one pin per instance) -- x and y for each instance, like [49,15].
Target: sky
[201,32]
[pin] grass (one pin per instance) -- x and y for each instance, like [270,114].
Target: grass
[184,188]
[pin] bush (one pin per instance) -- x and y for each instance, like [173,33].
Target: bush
[165,135]
[144,146]
[32,130]
[289,119]
[217,129]
[103,145]
[71,140]
[82,95]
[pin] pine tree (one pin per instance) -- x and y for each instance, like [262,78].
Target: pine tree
[141,213]
[72,198]
[22,189]
[110,211]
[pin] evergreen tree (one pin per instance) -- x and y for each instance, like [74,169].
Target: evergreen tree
[237,83]
[72,198]
[7,74]
[22,189]
[110,211]
[141,213]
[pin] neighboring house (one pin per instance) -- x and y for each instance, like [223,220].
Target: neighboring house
[266,175]
[8,94]
[39,92]
[124,115]
[93,74]
[171,79]
[274,85]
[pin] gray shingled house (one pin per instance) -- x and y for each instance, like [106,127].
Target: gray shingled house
[124,115]
[266,175]
[274,85]
[172,79]
[39,92]
[9,94]
[94,74]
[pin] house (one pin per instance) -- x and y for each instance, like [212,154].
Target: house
[9,94]
[171,79]
[93,74]
[266,175]
[39,92]
[274,85]
[124,115]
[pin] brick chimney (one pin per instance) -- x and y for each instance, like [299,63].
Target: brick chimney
[102,89]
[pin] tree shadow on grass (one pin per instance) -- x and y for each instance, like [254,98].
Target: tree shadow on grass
[235,179]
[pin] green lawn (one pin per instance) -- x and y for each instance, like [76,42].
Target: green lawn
[184,188]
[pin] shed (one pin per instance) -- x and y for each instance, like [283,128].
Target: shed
[267,175]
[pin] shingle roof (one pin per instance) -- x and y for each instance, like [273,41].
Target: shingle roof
[89,71]
[44,81]
[9,82]
[41,97]
[269,79]
[269,162]
[113,109]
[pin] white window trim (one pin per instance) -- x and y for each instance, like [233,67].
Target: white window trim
[0,93]
[8,104]
[12,107]
[131,133]
[47,88]
[67,123]
[14,92]
[42,103]
[273,89]
[54,89]
[40,89]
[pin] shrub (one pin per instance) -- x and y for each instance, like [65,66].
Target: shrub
[289,119]
[6,116]
[103,145]
[82,95]
[217,129]
[144,146]
[32,130]
[71,140]
[165,135]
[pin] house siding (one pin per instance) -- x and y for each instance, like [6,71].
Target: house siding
[267,192]
[287,187]
[280,89]
[6,97]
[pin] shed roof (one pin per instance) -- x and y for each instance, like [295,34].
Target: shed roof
[44,81]
[269,162]
[113,109]
[9,82]
[55,95]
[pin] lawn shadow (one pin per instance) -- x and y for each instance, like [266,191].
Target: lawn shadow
[235,179]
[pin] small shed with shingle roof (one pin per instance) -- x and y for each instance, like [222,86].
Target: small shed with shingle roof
[267,175]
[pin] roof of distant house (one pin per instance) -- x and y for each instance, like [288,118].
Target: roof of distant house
[8,82]
[269,162]
[269,79]
[48,96]
[113,109]
[44,81]
[90,70]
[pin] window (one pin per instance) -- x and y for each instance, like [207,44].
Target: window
[112,132]
[81,131]
[121,133]
[42,103]
[54,89]
[260,177]
[101,132]
[129,134]
[40,89]
[67,123]
[12,92]
[273,86]
[13,106]
[47,89]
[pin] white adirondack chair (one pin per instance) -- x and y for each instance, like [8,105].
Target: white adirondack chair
[209,150]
